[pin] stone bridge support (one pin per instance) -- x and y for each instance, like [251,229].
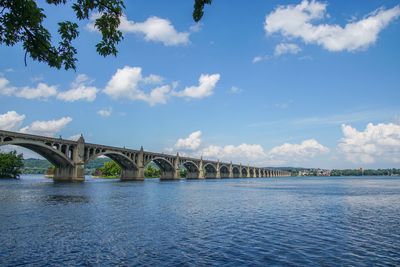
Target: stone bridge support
[75,173]
[218,175]
[201,169]
[174,172]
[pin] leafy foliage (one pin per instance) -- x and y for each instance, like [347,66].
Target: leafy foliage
[10,164]
[368,172]
[152,171]
[183,173]
[109,169]
[21,21]
[198,11]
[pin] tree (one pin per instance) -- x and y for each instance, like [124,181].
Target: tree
[21,21]
[183,172]
[152,172]
[11,164]
[111,169]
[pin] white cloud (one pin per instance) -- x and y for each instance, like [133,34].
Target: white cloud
[260,58]
[380,142]
[286,48]
[105,112]
[192,142]
[280,49]
[41,91]
[80,90]
[297,21]
[297,152]
[6,88]
[153,79]
[205,88]
[10,121]
[153,29]
[46,128]
[156,29]
[254,154]
[242,153]
[126,83]
[158,95]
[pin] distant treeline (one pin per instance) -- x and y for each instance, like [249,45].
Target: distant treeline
[40,166]
[295,171]
[101,167]
[368,172]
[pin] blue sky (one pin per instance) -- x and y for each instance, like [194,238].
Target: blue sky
[283,83]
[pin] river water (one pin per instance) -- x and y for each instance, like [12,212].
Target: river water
[229,222]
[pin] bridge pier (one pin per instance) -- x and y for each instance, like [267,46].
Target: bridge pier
[132,175]
[173,174]
[170,175]
[192,175]
[218,174]
[201,169]
[69,174]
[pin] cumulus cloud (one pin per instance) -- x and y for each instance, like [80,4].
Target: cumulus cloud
[105,112]
[297,152]
[207,84]
[11,120]
[280,50]
[80,90]
[299,21]
[380,142]
[286,48]
[192,142]
[243,152]
[249,153]
[46,128]
[127,82]
[153,29]
[41,91]
[153,79]
[6,88]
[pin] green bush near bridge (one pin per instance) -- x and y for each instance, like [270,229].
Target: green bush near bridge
[11,164]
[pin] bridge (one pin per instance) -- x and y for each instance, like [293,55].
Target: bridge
[69,158]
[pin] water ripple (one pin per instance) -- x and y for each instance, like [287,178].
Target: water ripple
[241,222]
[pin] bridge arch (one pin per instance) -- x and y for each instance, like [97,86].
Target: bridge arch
[251,171]
[210,171]
[224,171]
[48,151]
[236,172]
[192,170]
[166,167]
[244,172]
[122,160]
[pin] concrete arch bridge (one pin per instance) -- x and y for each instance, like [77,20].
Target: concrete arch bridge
[69,158]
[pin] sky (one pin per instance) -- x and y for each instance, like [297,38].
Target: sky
[270,83]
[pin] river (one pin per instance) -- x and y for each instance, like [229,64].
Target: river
[316,221]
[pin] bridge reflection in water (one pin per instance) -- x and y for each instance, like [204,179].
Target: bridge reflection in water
[69,158]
